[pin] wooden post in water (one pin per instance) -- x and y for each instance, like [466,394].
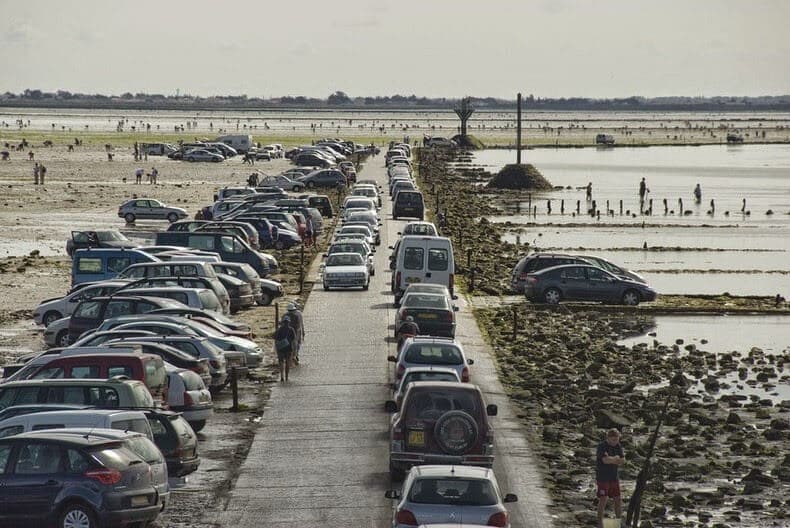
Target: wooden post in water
[529,202]
[562,206]
[518,129]
[578,206]
[621,208]
[548,206]
[650,210]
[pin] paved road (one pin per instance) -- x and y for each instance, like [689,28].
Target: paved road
[320,458]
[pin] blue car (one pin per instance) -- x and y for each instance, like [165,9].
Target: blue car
[62,479]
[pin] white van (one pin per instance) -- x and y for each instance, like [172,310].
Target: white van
[91,418]
[423,259]
[241,142]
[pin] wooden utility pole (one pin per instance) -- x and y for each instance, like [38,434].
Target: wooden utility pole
[518,130]
[464,111]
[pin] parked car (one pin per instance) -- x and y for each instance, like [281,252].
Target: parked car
[425,287]
[50,310]
[202,155]
[242,329]
[188,395]
[176,439]
[149,209]
[421,351]
[574,282]
[283,182]
[263,290]
[311,159]
[215,285]
[111,238]
[170,355]
[420,229]
[539,261]
[98,264]
[346,270]
[119,419]
[97,482]
[422,259]
[408,203]
[324,178]
[613,268]
[422,374]
[363,230]
[441,422]
[18,410]
[433,313]
[200,298]
[320,202]
[442,495]
[110,393]
[359,247]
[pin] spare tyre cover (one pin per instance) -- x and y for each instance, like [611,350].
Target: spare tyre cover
[455,432]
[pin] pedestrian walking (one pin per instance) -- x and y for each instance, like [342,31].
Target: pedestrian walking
[284,338]
[31,155]
[296,321]
[36,170]
[609,457]
[643,190]
[698,194]
[589,191]
[138,175]
[42,172]
[152,177]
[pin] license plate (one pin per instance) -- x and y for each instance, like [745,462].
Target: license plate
[411,280]
[428,316]
[140,500]
[416,437]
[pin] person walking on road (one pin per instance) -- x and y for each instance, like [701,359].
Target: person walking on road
[36,170]
[589,192]
[643,190]
[609,457]
[138,175]
[42,173]
[297,325]
[284,339]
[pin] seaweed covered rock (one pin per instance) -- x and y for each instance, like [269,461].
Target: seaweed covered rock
[523,176]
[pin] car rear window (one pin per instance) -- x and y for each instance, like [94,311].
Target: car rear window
[453,491]
[433,354]
[114,457]
[429,376]
[89,265]
[192,381]
[145,449]
[413,258]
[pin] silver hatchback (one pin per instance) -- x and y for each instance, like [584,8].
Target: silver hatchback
[460,495]
[149,209]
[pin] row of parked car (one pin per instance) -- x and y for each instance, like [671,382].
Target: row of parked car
[441,435]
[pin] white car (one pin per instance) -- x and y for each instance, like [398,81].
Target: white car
[346,270]
[187,394]
[355,231]
[347,245]
[50,310]
[448,494]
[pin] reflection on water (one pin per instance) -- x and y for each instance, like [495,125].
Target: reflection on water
[727,334]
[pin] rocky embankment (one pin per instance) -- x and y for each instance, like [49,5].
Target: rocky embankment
[722,457]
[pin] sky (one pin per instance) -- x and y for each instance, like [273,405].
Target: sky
[432,48]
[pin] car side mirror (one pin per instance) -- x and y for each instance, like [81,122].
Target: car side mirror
[492,410]
[455,308]
[392,359]
[510,497]
[455,297]
[325,255]
[390,406]
[470,361]
[392,494]
[390,247]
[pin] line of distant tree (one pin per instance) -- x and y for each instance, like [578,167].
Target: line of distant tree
[341,100]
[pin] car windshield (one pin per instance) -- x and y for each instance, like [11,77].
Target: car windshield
[345,259]
[425,300]
[453,491]
[433,354]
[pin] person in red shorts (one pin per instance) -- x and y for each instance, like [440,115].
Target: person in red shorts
[609,457]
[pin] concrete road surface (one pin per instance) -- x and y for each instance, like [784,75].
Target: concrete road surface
[320,458]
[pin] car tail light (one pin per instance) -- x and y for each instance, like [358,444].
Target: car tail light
[449,316]
[498,519]
[406,517]
[397,280]
[188,402]
[464,375]
[402,369]
[532,280]
[106,476]
[214,364]
[397,432]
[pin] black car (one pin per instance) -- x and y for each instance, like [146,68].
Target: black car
[576,282]
[176,439]
[408,203]
[539,261]
[324,178]
[111,238]
[60,479]
[308,159]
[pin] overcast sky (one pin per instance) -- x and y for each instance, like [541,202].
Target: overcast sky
[434,48]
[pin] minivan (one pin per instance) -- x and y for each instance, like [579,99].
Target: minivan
[110,393]
[122,420]
[230,248]
[408,203]
[90,265]
[423,260]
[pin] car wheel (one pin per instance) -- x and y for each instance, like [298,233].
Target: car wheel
[456,432]
[172,218]
[190,158]
[552,296]
[129,217]
[396,473]
[366,286]
[198,425]
[62,339]
[326,288]
[295,188]
[394,216]
[265,300]
[77,516]
[310,185]
[279,245]
[631,298]
[50,317]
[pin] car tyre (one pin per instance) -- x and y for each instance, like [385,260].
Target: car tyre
[62,339]
[129,217]
[295,188]
[326,287]
[198,425]
[76,515]
[50,317]
[366,286]
[631,298]
[172,218]
[266,299]
[310,185]
[190,158]
[552,296]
